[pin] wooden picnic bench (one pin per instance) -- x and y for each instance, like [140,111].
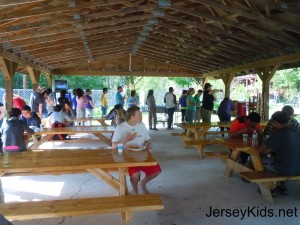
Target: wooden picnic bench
[48,133]
[202,129]
[199,144]
[81,206]
[266,181]
[98,162]
[100,120]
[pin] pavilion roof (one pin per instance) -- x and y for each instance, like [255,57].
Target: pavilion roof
[194,38]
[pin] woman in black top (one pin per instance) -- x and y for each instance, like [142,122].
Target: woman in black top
[208,102]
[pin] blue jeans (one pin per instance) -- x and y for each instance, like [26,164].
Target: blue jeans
[190,116]
[104,110]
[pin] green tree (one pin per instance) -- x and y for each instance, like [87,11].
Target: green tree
[287,82]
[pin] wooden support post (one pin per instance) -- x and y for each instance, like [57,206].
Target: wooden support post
[25,83]
[227,79]
[49,80]
[131,85]
[8,69]
[266,74]
[205,80]
[34,76]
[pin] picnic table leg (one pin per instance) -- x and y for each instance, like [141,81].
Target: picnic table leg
[103,138]
[202,133]
[257,163]
[102,122]
[37,143]
[233,156]
[125,216]
[265,190]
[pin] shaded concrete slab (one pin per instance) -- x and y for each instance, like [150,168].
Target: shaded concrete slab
[189,187]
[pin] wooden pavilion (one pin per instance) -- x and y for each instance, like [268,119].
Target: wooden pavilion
[192,38]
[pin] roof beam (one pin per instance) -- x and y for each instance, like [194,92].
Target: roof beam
[14,58]
[246,14]
[5,3]
[272,61]
[239,25]
[59,9]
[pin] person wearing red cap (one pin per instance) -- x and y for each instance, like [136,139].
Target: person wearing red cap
[208,102]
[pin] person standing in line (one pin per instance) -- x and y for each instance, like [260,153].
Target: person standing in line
[182,103]
[150,101]
[104,102]
[170,100]
[224,111]
[81,100]
[89,105]
[36,101]
[74,102]
[198,106]
[119,98]
[50,102]
[208,102]
[132,100]
[191,105]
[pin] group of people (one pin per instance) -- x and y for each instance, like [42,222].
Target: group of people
[193,109]
[277,143]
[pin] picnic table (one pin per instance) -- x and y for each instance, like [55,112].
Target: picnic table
[48,133]
[238,145]
[97,162]
[101,120]
[202,129]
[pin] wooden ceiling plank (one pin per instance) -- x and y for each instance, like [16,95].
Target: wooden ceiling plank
[13,36]
[242,54]
[81,62]
[41,45]
[22,61]
[173,62]
[109,51]
[79,52]
[261,63]
[69,48]
[73,34]
[184,52]
[282,6]
[226,33]
[238,25]
[246,14]
[161,53]
[60,9]
[5,3]
[57,20]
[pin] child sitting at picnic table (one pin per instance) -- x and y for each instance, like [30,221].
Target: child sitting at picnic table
[13,132]
[117,115]
[59,116]
[134,132]
[246,125]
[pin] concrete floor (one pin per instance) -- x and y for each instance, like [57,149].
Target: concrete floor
[189,188]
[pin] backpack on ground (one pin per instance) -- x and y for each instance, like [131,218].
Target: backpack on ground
[58,136]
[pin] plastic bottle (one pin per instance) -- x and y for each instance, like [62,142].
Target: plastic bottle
[254,139]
